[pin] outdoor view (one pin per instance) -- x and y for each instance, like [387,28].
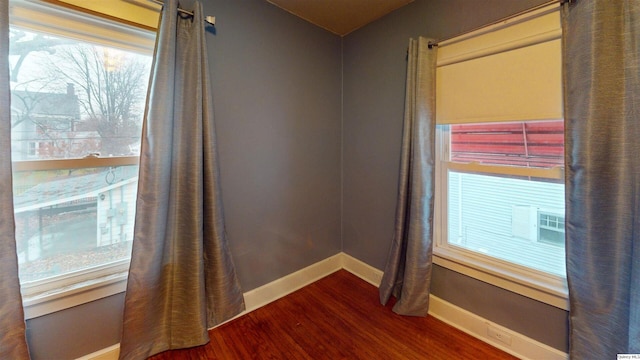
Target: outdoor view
[517,219]
[70,100]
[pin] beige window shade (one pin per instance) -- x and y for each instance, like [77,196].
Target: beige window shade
[507,72]
[135,12]
[76,24]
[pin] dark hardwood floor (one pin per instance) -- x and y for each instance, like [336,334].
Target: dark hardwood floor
[338,317]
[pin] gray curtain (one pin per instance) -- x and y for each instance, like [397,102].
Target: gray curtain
[602,75]
[407,274]
[13,344]
[182,280]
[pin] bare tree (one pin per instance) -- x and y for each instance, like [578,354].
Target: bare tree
[110,85]
[107,86]
[22,44]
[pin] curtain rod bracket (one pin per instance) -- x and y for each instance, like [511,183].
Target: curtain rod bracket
[209,19]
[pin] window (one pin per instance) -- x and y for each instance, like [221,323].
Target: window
[551,228]
[77,101]
[32,152]
[500,156]
[494,206]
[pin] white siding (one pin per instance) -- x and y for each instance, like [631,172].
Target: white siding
[483,220]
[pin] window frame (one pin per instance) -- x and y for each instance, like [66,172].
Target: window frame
[531,28]
[536,284]
[60,292]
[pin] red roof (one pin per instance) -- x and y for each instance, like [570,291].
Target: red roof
[531,144]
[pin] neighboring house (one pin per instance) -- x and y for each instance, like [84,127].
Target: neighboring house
[532,217]
[83,211]
[530,144]
[46,125]
[526,228]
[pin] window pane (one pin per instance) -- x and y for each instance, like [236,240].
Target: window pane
[71,99]
[68,220]
[513,219]
[530,144]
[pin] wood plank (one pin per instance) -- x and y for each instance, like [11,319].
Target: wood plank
[338,317]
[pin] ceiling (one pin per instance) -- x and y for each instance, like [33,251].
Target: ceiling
[340,16]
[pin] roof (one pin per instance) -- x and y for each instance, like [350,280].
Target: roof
[72,188]
[45,104]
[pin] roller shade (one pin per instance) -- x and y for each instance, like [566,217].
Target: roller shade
[136,12]
[507,72]
[80,24]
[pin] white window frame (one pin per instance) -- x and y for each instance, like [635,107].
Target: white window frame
[532,283]
[71,289]
[523,280]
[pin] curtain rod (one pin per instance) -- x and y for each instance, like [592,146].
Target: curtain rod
[559,2]
[209,19]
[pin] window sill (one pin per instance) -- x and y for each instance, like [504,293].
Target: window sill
[552,292]
[91,284]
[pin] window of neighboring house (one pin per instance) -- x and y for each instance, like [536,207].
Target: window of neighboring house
[551,228]
[500,156]
[77,102]
[32,152]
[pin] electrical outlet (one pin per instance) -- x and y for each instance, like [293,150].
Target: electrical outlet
[499,335]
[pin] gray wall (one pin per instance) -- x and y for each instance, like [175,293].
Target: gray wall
[276,84]
[374,77]
[77,331]
[278,102]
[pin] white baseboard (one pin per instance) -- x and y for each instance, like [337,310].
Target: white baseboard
[362,270]
[521,346]
[110,353]
[283,286]
[260,296]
